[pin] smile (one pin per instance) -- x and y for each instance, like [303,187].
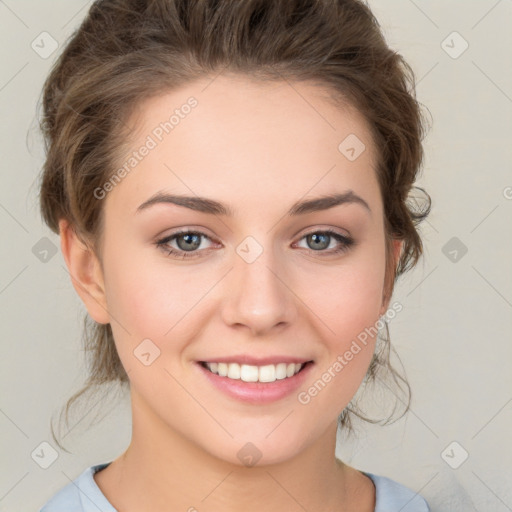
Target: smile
[251,373]
[255,384]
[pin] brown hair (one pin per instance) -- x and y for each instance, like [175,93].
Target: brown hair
[126,51]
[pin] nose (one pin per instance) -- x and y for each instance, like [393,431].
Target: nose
[258,296]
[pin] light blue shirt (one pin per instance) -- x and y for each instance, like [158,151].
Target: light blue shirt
[84,495]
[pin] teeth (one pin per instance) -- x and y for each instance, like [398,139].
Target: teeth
[234,371]
[222,369]
[250,373]
[267,373]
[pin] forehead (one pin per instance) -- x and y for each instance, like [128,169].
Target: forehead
[243,141]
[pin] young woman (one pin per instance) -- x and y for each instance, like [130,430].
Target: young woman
[229,181]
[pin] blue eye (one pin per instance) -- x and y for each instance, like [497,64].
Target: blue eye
[189,241]
[319,239]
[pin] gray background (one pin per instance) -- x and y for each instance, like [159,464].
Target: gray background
[453,334]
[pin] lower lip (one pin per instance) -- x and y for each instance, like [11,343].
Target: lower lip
[257,392]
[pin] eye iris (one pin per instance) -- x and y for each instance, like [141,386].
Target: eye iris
[315,238]
[188,237]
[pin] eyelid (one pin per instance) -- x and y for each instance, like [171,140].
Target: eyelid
[164,240]
[344,242]
[323,228]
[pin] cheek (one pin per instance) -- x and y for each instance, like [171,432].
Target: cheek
[143,293]
[151,298]
[139,301]
[355,309]
[351,314]
[348,303]
[348,298]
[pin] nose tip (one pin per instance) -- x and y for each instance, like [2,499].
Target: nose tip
[257,296]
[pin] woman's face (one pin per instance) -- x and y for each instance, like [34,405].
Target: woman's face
[263,283]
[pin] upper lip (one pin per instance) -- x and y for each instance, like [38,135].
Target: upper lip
[256,361]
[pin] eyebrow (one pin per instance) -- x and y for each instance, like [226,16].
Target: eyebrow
[210,206]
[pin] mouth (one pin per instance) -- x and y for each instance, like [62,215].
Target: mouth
[255,384]
[254,373]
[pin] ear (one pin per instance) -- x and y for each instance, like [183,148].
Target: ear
[388,285]
[85,271]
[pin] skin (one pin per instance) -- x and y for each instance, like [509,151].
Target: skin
[257,148]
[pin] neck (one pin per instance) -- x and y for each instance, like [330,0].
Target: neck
[182,476]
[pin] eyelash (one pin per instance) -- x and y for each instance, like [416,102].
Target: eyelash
[346,243]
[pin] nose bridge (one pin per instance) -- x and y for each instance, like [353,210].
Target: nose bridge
[258,296]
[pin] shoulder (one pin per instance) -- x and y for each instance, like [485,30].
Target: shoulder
[80,495]
[390,493]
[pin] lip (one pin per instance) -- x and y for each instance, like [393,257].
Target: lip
[257,392]
[255,361]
